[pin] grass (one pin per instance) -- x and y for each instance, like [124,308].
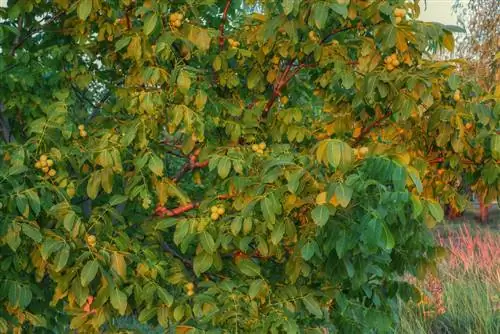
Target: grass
[465,295]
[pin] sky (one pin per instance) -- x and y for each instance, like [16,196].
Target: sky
[438,11]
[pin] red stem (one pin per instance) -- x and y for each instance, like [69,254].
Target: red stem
[222,23]
[375,123]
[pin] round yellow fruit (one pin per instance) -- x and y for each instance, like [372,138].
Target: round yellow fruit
[83,133]
[262,146]
[284,99]
[38,165]
[52,172]
[398,20]
[81,127]
[189,286]
[388,60]
[220,211]
[213,209]
[255,147]
[399,12]
[43,163]
[50,162]
[468,126]
[363,150]
[395,63]
[214,216]
[259,151]
[91,240]
[389,67]
[43,157]
[177,23]
[45,169]
[71,191]
[190,293]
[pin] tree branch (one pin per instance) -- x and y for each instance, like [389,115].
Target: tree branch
[372,125]
[162,211]
[190,165]
[222,23]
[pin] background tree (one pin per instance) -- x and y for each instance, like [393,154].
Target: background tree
[208,167]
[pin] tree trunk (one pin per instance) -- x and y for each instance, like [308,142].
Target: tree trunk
[483,211]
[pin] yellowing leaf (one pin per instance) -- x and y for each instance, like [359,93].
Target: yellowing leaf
[449,41]
[401,43]
[118,264]
[84,9]
[183,82]
[357,132]
[321,198]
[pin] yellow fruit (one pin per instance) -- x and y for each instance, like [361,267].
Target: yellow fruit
[399,12]
[43,163]
[190,293]
[189,286]
[220,211]
[389,67]
[177,23]
[262,146]
[355,152]
[52,172]
[363,150]
[43,157]
[357,132]
[440,171]
[214,216]
[394,57]
[388,60]
[398,20]
[255,147]
[91,240]
[468,126]
[71,191]
[45,169]
[38,165]
[395,63]
[81,127]
[180,16]
[83,133]
[259,151]
[213,209]
[50,162]
[284,99]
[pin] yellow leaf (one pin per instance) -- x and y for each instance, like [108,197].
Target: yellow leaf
[401,43]
[119,265]
[449,41]
[334,201]
[321,198]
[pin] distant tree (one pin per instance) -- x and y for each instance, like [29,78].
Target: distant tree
[481,21]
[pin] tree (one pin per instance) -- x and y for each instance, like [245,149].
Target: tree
[220,166]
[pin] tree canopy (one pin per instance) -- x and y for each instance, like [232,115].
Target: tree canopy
[226,166]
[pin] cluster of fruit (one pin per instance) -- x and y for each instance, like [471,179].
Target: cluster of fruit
[399,13]
[44,163]
[83,133]
[189,288]
[233,43]
[91,240]
[456,96]
[176,19]
[361,152]
[391,62]
[217,211]
[313,36]
[259,148]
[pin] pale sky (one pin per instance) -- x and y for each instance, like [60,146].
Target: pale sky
[438,11]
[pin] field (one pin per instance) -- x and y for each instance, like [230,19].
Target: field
[464,297]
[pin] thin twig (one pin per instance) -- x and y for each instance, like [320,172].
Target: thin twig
[222,24]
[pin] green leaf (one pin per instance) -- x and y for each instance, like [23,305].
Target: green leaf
[150,23]
[89,271]
[266,205]
[343,194]
[183,82]
[236,225]
[307,251]
[436,210]
[117,199]
[50,246]
[122,42]
[414,176]
[312,306]
[278,232]
[19,295]
[288,6]
[22,205]
[34,201]
[224,167]
[248,267]
[256,287]
[84,9]
[320,215]
[320,14]
[202,262]
[165,296]
[118,300]
[388,237]
[146,314]
[156,165]
[94,184]
[32,232]
[61,258]
[495,146]
[207,242]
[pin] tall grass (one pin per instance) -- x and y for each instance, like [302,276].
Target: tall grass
[465,295]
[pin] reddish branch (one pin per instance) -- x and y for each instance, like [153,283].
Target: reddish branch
[162,211]
[372,125]
[190,165]
[222,24]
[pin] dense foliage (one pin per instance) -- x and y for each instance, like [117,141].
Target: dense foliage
[267,166]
